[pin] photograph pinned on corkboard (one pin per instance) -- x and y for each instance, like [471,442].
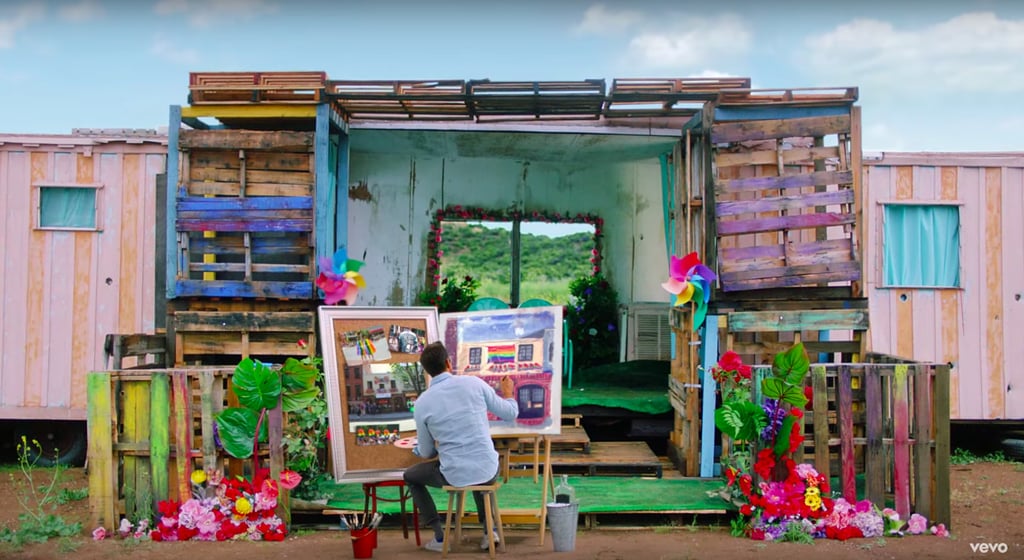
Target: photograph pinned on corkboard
[372,383]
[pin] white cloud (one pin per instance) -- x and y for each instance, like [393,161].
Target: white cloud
[82,11]
[21,18]
[968,53]
[598,20]
[166,50]
[691,42]
[204,13]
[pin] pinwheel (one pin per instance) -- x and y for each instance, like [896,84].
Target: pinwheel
[339,278]
[690,281]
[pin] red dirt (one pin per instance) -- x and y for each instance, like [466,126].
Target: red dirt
[988,504]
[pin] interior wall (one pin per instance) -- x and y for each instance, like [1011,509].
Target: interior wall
[392,198]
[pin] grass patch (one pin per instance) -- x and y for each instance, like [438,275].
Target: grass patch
[967,457]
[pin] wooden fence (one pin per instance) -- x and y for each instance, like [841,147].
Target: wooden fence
[887,423]
[148,430]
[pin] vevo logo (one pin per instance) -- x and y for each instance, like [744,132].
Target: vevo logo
[985,548]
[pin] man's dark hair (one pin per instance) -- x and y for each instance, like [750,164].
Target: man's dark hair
[434,358]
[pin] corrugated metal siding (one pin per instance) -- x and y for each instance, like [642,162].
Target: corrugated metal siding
[977,328]
[61,292]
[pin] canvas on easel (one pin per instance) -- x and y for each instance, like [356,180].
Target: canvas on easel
[524,344]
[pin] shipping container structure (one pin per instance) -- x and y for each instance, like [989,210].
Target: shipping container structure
[78,215]
[944,264]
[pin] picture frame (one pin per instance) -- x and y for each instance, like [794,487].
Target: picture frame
[372,377]
[522,343]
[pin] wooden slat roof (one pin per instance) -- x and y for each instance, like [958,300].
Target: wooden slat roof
[488,100]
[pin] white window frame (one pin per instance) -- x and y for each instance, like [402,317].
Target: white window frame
[37,189]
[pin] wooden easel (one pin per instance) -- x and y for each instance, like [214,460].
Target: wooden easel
[539,461]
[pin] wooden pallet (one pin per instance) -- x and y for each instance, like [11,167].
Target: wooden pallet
[572,438]
[629,458]
[255,87]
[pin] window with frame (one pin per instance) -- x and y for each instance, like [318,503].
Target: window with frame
[921,245]
[68,206]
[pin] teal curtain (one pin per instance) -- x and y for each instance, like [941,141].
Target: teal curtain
[67,207]
[921,246]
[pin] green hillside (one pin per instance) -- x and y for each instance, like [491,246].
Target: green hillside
[548,263]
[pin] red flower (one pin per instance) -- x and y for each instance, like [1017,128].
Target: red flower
[730,476]
[730,361]
[809,393]
[746,484]
[167,508]
[745,509]
[289,479]
[155,536]
[186,533]
[765,463]
[757,534]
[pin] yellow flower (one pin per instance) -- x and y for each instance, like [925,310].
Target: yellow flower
[198,477]
[812,498]
[243,506]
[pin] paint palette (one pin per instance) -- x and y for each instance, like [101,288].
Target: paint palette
[406,443]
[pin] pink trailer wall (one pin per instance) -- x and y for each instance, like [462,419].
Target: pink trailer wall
[979,328]
[61,292]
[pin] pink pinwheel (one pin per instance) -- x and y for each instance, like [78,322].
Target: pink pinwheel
[339,278]
[690,281]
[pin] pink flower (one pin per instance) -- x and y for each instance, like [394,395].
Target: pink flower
[940,530]
[290,479]
[125,528]
[917,524]
[99,533]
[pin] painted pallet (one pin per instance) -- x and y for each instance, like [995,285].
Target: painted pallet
[148,430]
[786,206]
[905,442]
[244,214]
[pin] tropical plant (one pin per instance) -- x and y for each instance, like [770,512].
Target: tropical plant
[304,440]
[260,388]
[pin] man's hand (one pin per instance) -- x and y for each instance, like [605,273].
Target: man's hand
[508,387]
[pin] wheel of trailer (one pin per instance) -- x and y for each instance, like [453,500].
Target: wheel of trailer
[60,443]
[1013,448]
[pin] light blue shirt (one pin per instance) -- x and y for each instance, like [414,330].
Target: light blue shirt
[452,413]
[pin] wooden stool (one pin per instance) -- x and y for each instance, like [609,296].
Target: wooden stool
[492,517]
[371,497]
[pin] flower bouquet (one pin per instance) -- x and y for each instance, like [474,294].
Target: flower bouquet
[225,509]
[778,499]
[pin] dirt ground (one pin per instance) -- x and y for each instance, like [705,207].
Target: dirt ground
[988,507]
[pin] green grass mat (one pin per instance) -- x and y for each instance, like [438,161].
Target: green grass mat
[596,494]
[640,386]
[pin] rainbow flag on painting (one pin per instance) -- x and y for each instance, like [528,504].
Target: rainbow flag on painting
[502,354]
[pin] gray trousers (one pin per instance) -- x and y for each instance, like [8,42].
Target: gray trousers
[418,477]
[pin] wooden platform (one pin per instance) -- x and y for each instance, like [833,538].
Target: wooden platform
[627,458]
[572,438]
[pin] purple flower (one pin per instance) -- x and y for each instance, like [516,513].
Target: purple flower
[611,327]
[776,414]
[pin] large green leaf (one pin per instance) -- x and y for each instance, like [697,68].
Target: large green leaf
[256,385]
[783,437]
[740,420]
[297,376]
[298,400]
[792,365]
[778,389]
[235,427]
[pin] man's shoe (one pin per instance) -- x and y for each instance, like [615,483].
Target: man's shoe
[485,544]
[434,545]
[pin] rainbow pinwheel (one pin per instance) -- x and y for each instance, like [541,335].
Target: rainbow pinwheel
[690,281]
[339,278]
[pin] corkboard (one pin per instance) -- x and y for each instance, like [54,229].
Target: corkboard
[338,326]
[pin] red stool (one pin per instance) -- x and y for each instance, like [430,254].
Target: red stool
[371,499]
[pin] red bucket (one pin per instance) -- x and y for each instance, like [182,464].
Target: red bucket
[363,542]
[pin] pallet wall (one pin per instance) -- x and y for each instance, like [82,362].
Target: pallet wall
[245,215]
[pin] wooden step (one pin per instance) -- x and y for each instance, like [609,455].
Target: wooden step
[629,458]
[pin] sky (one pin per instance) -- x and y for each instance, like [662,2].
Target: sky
[932,75]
